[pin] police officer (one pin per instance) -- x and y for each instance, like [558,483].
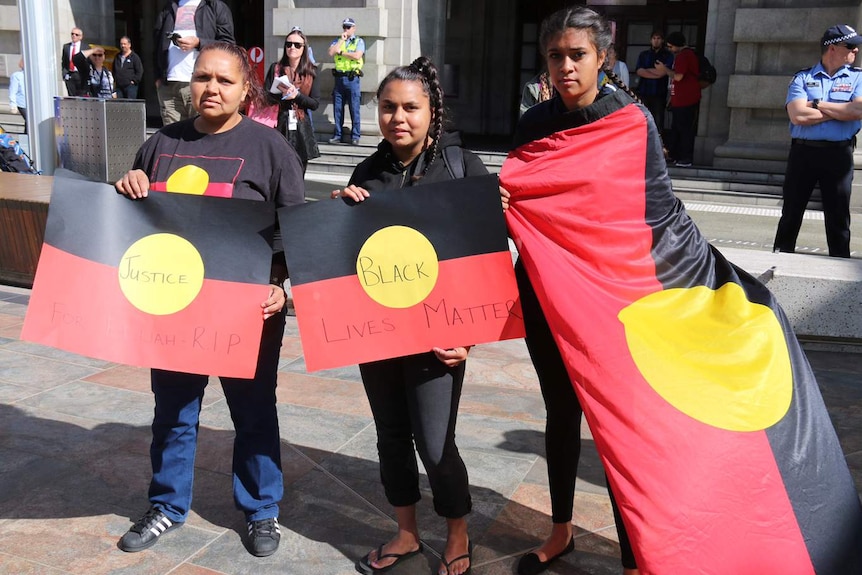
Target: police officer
[825,107]
[348,51]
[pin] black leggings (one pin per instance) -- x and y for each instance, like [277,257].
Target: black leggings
[563,423]
[415,398]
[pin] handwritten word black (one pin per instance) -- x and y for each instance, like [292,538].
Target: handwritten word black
[400,273]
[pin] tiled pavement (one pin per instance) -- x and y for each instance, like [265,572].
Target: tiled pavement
[74,467]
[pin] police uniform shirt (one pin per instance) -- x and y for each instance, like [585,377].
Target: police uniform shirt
[352,44]
[816,84]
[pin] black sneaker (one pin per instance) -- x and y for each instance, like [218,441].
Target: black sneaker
[263,537]
[147,531]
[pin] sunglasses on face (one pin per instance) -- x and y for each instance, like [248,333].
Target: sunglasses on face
[98,55]
[293,44]
[851,47]
[347,27]
[75,34]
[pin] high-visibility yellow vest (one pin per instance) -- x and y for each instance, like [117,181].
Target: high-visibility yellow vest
[343,64]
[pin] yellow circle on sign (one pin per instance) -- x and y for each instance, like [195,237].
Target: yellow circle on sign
[188,180]
[397,267]
[713,355]
[161,274]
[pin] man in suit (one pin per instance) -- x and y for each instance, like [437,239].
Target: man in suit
[75,67]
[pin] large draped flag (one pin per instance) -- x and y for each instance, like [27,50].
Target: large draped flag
[401,272]
[173,281]
[703,407]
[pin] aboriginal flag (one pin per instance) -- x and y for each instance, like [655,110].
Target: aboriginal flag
[198,175]
[703,406]
[401,272]
[172,281]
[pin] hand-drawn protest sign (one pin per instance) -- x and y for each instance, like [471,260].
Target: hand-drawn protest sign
[172,281]
[401,272]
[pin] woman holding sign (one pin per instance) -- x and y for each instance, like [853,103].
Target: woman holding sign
[415,398]
[220,152]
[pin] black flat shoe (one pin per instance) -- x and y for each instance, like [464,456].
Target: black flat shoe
[531,565]
[364,564]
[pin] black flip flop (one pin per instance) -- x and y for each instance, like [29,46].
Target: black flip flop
[468,556]
[364,564]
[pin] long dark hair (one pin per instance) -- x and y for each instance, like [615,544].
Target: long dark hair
[424,71]
[255,90]
[304,68]
[583,18]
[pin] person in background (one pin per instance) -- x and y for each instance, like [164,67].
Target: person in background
[652,84]
[414,399]
[75,68]
[685,96]
[618,67]
[348,50]
[128,70]
[101,80]
[298,97]
[183,28]
[824,104]
[17,96]
[538,89]
[268,170]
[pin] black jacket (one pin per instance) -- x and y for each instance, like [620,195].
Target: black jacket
[213,22]
[79,57]
[383,171]
[128,73]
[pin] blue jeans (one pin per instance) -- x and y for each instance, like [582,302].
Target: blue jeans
[346,91]
[129,92]
[257,479]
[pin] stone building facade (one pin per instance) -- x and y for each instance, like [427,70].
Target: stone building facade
[487,48]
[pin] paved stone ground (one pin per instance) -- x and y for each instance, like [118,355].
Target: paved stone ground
[74,467]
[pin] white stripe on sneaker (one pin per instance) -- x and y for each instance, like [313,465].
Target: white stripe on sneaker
[163,524]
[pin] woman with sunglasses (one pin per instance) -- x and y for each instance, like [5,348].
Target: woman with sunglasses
[296,95]
[101,80]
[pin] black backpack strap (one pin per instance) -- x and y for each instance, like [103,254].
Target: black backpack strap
[453,157]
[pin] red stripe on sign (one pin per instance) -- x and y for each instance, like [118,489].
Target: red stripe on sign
[341,325]
[213,189]
[77,305]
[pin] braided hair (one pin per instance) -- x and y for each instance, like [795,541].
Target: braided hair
[583,18]
[255,90]
[423,70]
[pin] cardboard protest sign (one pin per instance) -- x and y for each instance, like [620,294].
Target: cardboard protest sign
[172,281]
[401,272]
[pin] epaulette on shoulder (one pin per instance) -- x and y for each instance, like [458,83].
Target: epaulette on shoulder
[856,68]
[803,70]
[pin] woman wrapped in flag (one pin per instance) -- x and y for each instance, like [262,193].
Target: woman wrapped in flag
[706,414]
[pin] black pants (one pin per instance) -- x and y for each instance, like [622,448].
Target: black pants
[832,168]
[683,128]
[657,106]
[563,423]
[75,85]
[415,399]
[23,112]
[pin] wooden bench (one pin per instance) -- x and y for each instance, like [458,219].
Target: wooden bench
[24,202]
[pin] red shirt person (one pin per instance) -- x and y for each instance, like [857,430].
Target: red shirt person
[684,98]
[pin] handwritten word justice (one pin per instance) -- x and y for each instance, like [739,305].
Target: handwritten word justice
[130,272]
